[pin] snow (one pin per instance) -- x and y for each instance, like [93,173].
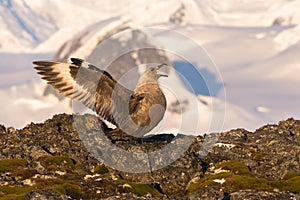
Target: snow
[23,25]
[89,39]
[25,103]
[250,46]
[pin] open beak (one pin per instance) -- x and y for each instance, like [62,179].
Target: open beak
[159,66]
[164,75]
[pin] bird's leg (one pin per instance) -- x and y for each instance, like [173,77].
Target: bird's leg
[113,134]
[104,127]
[118,135]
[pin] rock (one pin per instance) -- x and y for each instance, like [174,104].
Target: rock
[252,195]
[2,129]
[49,161]
[44,195]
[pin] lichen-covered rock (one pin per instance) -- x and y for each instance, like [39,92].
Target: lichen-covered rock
[44,195]
[50,161]
[253,195]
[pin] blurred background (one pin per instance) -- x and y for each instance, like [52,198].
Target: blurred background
[251,51]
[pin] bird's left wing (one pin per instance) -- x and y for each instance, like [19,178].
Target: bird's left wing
[84,82]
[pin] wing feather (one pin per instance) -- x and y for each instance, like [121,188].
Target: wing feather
[91,86]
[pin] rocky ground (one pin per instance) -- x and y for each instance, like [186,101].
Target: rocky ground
[49,161]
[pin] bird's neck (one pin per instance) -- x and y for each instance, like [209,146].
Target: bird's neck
[152,88]
[144,86]
[144,80]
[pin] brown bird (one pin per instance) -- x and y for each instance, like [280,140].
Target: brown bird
[134,112]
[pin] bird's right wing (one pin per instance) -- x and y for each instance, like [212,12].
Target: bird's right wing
[85,83]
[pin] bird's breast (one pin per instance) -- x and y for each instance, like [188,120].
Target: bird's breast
[148,107]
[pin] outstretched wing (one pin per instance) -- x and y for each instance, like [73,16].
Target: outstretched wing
[86,83]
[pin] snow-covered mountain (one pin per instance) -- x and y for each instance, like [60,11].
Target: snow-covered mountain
[254,46]
[21,27]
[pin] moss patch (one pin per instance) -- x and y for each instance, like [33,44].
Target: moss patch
[234,183]
[69,189]
[237,182]
[60,186]
[290,183]
[61,161]
[57,185]
[139,189]
[238,176]
[235,167]
[290,175]
[208,180]
[48,183]
[9,165]
[14,192]
[259,156]
[101,169]
[17,167]
[52,168]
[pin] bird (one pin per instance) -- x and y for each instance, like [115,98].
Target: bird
[135,112]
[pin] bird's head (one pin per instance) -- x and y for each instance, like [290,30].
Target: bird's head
[151,74]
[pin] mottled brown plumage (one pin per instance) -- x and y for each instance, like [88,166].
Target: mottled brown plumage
[135,112]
